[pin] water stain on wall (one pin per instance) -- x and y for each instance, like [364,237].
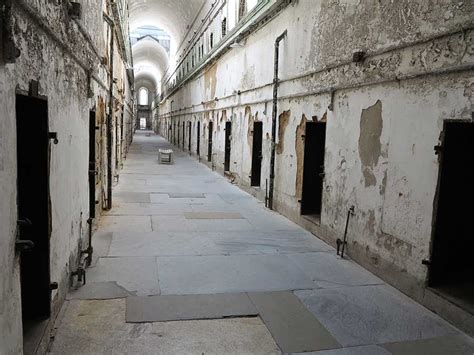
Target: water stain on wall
[210,81]
[370,148]
[250,121]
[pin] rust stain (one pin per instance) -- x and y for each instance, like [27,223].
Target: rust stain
[299,147]
[283,121]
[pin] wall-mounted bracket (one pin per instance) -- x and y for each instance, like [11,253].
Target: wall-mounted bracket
[54,137]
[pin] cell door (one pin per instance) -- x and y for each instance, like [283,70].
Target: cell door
[452,264]
[92,163]
[33,208]
[184,133]
[198,135]
[189,136]
[256,154]
[209,141]
[228,135]
[313,170]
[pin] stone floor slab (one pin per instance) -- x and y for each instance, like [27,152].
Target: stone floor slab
[227,274]
[293,327]
[459,345]
[130,196]
[372,315]
[187,307]
[329,270]
[98,291]
[355,350]
[212,215]
[138,275]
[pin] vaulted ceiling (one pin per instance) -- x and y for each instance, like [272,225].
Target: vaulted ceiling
[173,16]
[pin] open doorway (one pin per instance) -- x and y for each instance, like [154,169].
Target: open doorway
[228,135]
[33,215]
[313,169]
[256,154]
[209,141]
[174,133]
[184,132]
[142,123]
[198,135]
[451,269]
[92,163]
[189,136]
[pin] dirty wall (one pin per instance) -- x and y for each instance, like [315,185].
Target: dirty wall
[64,57]
[384,114]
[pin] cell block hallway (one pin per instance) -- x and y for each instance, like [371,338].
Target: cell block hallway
[236,177]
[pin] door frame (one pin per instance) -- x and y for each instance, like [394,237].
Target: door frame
[33,93]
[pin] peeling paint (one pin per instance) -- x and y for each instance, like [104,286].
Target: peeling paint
[283,121]
[299,147]
[371,125]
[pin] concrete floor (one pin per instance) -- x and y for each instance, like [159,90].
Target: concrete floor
[157,241]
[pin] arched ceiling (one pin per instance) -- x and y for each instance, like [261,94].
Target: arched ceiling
[150,52]
[173,16]
[146,79]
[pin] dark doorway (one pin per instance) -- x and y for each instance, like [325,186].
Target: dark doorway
[256,154]
[170,131]
[452,265]
[228,135]
[174,133]
[178,133]
[313,170]
[92,164]
[198,138]
[189,136]
[209,141]
[184,133]
[33,211]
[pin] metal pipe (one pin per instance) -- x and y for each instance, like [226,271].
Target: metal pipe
[109,119]
[274,116]
[342,243]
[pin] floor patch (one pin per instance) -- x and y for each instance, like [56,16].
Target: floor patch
[185,195]
[98,291]
[212,215]
[435,346]
[293,327]
[188,307]
[129,196]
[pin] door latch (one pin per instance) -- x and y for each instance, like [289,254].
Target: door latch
[54,137]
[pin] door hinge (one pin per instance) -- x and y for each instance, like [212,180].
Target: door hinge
[22,245]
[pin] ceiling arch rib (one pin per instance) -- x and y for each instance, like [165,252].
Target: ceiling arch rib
[173,16]
[150,52]
[146,79]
